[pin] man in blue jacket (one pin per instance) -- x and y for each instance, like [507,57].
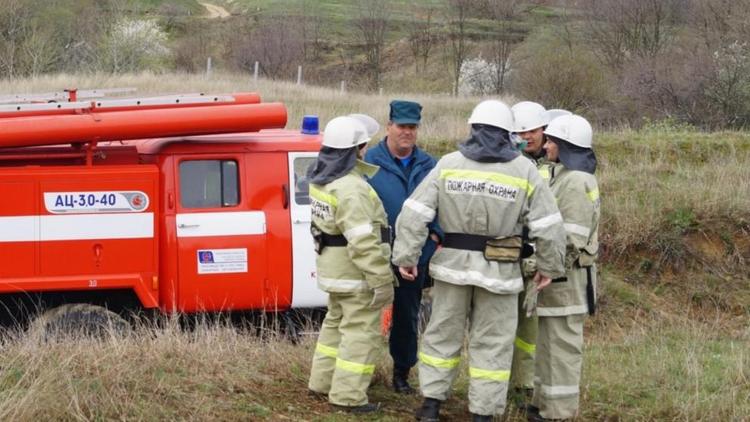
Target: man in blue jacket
[402,167]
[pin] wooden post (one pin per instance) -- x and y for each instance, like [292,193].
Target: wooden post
[299,75]
[255,73]
[208,67]
[343,87]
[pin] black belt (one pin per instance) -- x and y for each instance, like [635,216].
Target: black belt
[340,240]
[475,242]
[469,242]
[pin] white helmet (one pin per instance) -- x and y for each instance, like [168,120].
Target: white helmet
[571,128]
[557,112]
[494,113]
[371,124]
[344,132]
[529,116]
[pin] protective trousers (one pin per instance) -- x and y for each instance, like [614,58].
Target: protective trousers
[524,350]
[492,322]
[404,325]
[558,365]
[347,348]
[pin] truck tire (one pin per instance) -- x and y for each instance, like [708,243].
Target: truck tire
[79,320]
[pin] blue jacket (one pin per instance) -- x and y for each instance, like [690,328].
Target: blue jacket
[393,186]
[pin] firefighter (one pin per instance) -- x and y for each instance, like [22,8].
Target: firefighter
[352,240]
[483,195]
[530,121]
[562,306]
[402,166]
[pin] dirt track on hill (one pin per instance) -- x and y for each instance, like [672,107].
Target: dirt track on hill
[215,11]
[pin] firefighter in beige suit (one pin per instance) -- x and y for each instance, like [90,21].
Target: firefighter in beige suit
[530,121]
[562,306]
[483,195]
[352,240]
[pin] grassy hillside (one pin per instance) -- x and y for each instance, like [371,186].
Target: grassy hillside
[670,341]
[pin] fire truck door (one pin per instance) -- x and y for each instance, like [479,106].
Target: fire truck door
[221,240]
[305,291]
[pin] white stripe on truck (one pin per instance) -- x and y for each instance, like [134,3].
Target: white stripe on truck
[35,228]
[221,224]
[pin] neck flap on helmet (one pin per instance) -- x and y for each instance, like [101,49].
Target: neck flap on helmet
[331,164]
[576,158]
[488,144]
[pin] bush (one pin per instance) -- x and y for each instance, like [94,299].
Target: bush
[559,75]
[134,45]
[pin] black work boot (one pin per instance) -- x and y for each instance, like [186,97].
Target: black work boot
[522,398]
[481,418]
[430,410]
[361,409]
[401,381]
[532,415]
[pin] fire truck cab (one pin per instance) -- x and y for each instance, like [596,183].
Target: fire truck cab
[156,206]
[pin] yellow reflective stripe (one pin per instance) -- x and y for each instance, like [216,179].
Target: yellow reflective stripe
[593,195]
[544,172]
[357,368]
[488,176]
[486,374]
[326,350]
[526,347]
[439,362]
[323,197]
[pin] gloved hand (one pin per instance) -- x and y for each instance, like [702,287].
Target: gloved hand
[529,303]
[382,295]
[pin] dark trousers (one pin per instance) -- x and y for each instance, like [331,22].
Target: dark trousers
[405,318]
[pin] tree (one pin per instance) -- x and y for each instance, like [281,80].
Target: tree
[558,77]
[458,13]
[503,38]
[14,29]
[277,46]
[134,45]
[625,29]
[422,35]
[311,29]
[372,23]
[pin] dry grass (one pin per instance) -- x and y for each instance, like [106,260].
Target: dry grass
[643,367]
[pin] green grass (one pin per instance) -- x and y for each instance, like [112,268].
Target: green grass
[681,371]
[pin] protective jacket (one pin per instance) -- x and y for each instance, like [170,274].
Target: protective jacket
[393,186]
[356,260]
[577,196]
[494,199]
[542,164]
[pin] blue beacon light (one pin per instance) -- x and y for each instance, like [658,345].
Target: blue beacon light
[310,125]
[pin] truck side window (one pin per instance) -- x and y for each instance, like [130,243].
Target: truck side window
[209,184]
[301,185]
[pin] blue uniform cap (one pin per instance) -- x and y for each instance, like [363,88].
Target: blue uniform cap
[405,112]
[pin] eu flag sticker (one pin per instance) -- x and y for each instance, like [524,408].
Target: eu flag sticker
[205,257]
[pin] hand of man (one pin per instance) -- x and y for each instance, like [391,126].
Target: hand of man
[408,273]
[435,238]
[541,281]
[381,296]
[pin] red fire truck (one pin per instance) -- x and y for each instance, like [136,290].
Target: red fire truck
[184,203]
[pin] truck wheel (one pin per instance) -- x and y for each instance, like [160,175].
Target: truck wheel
[79,319]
